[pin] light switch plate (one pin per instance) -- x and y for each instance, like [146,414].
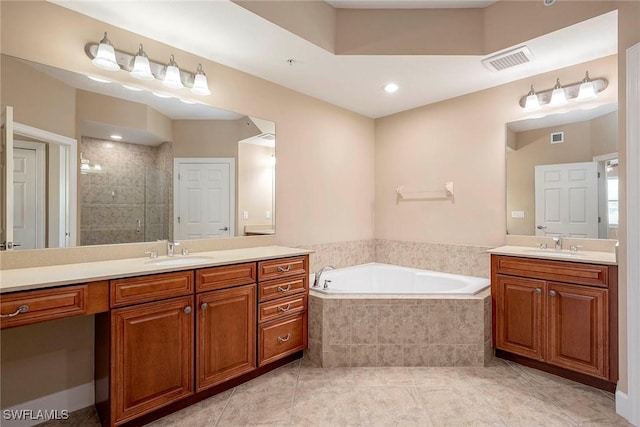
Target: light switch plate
[245,214]
[517,214]
[267,214]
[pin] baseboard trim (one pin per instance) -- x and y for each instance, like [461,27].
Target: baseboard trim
[622,405]
[72,399]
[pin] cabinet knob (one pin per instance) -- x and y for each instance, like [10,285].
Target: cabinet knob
[187,310]
[204,306]
[538,291]
[552,293]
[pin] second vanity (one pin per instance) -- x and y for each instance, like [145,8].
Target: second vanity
[169,333]
[556,310]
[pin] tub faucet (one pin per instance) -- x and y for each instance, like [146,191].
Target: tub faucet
[171,247]
[558,243]
[316,282]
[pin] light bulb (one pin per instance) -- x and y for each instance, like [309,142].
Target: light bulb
[200,85]
[558,96]
[105,58]
[172,75]
[141,68]
[532,103]
[587,89]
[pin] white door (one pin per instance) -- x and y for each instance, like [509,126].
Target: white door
[6,187]
[566,199]
[203,202]
[28,197]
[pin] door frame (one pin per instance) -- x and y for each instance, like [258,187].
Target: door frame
[628,405]
[41,199]
[68,179]
[177,161]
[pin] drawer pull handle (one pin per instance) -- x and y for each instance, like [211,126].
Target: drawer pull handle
[287,308]
[538,291]
[204,306]
[187,310]
[22,309]
[285,339]
[284,269]
[552,293]
[281,289]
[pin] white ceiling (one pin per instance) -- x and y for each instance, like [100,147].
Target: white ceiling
[408,4]
[229,34]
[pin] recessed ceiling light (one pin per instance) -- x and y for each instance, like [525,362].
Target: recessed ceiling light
[98,79]
[133,88]
[117,137]
[161,95]
[391,87]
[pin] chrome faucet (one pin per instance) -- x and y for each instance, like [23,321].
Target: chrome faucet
[171,247]
[558,243]
[316,282]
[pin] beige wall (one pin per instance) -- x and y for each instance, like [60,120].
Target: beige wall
[255,185]
[581,144]
[205,138]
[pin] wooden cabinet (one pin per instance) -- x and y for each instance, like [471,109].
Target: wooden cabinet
[152,356]
[226,335]
[282,312]
[560,314]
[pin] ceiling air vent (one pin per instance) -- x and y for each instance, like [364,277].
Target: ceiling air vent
[507,59]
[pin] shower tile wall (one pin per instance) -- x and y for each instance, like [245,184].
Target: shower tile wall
[135,186]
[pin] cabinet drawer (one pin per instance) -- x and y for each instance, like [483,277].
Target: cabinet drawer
[208,279]
[150,288]
[284,267]
[569,272]
[281,307]
[281,288]
[281,338]
[42,305]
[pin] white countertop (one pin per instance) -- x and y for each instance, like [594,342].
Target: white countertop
[591,257]
[43,277]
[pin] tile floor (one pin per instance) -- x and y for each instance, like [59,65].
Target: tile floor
[301,394]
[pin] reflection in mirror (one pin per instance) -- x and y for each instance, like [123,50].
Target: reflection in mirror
[149,167]
[562,174]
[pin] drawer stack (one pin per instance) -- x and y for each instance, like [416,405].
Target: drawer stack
[283,286]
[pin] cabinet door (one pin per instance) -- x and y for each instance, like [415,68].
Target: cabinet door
[578,337]
[152,356]
[226,344]
[520,316]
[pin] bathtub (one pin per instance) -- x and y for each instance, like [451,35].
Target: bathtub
[376,279]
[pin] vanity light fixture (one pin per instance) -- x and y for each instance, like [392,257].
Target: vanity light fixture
[104,56]
[141,68]
[532,103]
[584,90]
[558,96]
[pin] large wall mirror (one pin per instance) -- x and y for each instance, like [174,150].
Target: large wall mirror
[562,174]
[148,168]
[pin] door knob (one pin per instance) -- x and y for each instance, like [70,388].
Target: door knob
[224,229]
[541,227]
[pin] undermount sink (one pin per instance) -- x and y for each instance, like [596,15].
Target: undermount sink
[179,260]
[554,253]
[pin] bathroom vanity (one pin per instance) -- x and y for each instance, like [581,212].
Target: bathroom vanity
[556,315]
[169,338]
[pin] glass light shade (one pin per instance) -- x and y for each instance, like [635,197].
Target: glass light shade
[558,97]
[200,86]
[172,75]
[105,56]
[587,91]
[532,103]
[141,68]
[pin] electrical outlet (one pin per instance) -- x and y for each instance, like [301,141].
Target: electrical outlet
[245,214]
[267,214]
[517,214]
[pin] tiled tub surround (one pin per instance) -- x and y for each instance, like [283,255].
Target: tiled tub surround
[400,331]
[447,258]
